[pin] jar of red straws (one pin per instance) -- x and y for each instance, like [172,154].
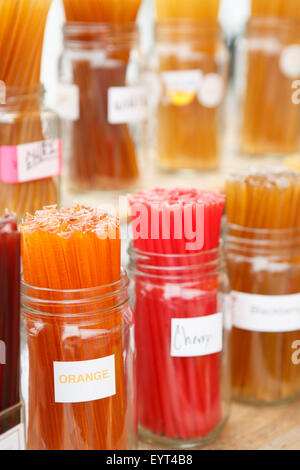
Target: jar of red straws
[179,291]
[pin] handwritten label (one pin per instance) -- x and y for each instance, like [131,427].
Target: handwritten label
[30,162]
[266,313]
[290,61]
[14,439]
[84,381]
[127,104]
[193,337]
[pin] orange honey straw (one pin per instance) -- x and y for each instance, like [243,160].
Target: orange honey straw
[71,249]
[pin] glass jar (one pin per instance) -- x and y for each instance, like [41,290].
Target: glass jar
[12,429]
[30,152]
[264,271]
[104,105]
[182,340]
[190,79]
[79,368]
[268,63]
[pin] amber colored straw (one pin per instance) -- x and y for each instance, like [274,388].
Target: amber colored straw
[188,131]
[21,41]
[262,369]
[76,248]
[268,90]
[111,162]
[190,9]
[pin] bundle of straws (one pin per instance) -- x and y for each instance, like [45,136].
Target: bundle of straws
[21,40]
[283,8]
[9,315]
[111,161]
[188,131]
[178,397]
[190,9]
[268,87]
[264,218]
[64,251]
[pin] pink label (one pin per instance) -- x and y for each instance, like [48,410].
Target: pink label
[30,162]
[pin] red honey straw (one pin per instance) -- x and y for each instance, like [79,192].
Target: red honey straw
[9,311]
[179,397]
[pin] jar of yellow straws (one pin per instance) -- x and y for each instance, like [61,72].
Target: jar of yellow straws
[190,71]
[80,364]
[268,64]
[104,133]
[263,254]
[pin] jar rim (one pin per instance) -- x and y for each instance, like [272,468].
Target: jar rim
[270,21]
[80,32]
[190,27]
[184,267]
[15,93]
[264,231]
[114,286]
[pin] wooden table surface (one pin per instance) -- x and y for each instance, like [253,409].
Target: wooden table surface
[251,428]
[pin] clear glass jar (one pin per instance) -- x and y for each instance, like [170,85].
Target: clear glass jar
[12,428]
[190,70]
[182,339]
[78,368]
[30,152]
[264,271]
[104,134]
[268,62]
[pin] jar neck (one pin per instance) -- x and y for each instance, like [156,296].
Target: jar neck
[103,300]
[191,31]
[175,267]
[263,242]
[82,36]
[271,25]
[22,97]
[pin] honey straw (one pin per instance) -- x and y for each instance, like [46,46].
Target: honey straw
[21,42]
[71,249]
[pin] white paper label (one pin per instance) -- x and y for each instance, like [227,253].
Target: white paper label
[290,61]
[194,337]
[84,381]
[39,160]
[211,92]
[266,313]
[68,102]
[127,104]
[13,439]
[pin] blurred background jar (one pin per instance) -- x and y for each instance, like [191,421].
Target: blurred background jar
[190,68]
[268,67]
[103,103]
[30,151]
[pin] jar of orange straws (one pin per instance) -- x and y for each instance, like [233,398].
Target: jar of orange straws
[80,363]
[179,290]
